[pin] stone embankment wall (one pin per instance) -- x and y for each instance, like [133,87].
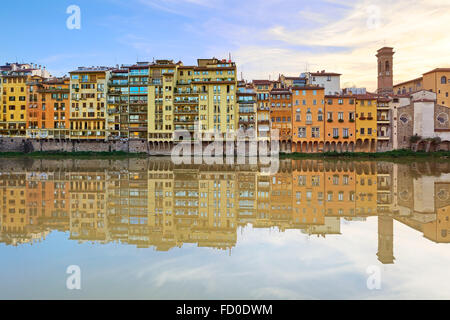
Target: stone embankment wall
[29,145]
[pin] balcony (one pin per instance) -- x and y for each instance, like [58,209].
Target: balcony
[186,101]
[247,121]
[383,120]
[138,102]
[185,111]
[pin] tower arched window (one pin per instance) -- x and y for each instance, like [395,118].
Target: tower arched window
[387,66]
[444,80]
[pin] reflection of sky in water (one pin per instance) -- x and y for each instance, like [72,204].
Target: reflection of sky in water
[265,264]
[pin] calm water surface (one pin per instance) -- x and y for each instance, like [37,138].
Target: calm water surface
[148,229]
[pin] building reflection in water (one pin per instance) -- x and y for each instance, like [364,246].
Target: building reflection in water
[152,203]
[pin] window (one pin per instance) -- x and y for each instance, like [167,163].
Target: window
[444,80]
[330,196]
[302,132]
[341,116]
[335,132]
[315,132]
[320,116]
[362,131]
[345,132]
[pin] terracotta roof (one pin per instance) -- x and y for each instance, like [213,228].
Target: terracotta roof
[340,96]
[293,78]
[424,100]
[307,87]
[280,90]
[438,70]
[318,74]
[367,96]
[257,82]
[404,82]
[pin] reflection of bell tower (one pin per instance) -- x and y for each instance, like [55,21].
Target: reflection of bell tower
[385,240]
[385,70]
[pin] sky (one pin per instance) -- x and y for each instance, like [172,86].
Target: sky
[265,37]
[264,264]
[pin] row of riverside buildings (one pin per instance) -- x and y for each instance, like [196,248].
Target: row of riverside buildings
[154,101]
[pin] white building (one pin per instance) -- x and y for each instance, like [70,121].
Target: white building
[328,80]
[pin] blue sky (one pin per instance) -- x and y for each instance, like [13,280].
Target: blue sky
[265,37]
[264,264]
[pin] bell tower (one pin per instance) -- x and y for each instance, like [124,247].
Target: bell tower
[385,239]
[385,57]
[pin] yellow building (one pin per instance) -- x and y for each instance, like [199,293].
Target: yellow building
[218,104]
[366,189]
[436,80]
[409,86]
[181,96]
[161,89]
[366,123]
[14,214]
[14,101]
[88,206]
[88,114]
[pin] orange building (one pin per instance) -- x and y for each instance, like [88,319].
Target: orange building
[308,119]
[262,89]
[340,187]
[47,199]
[281,116]
[281,213]
[340,123]
[48,115]
[308,193]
